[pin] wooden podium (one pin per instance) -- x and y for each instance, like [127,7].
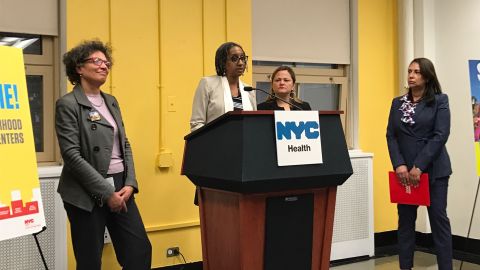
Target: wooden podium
[254,214]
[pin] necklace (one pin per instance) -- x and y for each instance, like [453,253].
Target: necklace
[95,105]
[91,101]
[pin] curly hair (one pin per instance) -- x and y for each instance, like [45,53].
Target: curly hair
[221,57]
[77,55]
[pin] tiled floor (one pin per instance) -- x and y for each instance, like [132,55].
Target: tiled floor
[423,261]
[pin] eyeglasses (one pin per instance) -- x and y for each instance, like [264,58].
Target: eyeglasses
[236,58]
[98,62]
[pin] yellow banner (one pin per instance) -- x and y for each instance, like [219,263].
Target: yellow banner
[21,208]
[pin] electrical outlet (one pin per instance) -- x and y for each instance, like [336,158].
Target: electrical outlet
[173,251]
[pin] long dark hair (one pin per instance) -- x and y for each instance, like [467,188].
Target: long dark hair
[221,57]
[432,85]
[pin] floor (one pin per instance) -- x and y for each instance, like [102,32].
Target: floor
[423,261]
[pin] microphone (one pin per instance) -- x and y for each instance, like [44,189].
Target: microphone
[249,88]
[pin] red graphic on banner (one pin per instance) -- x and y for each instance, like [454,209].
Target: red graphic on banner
[17,208]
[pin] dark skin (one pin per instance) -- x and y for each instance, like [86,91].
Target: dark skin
[416,83]
[234,69]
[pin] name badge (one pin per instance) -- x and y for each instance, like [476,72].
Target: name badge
[94,116]
[110,181]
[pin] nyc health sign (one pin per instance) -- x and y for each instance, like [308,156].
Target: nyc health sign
[298,138]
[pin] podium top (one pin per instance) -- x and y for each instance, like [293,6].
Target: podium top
[237,152]
[239,113]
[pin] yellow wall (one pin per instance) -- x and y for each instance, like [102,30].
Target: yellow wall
[161,49]
[377,39]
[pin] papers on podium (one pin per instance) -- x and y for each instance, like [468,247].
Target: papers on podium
[408,194]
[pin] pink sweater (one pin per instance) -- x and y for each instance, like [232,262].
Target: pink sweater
[116,163]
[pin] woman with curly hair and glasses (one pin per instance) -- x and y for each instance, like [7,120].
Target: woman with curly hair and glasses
[98,177]
[418,129]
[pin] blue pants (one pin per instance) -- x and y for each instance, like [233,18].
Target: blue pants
[439,223]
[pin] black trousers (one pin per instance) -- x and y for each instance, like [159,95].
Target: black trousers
[439,223]
[129,238]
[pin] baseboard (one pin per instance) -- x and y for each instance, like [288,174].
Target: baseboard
[349,260]
[386,244]
[463,249]
[466,245]
[188,266]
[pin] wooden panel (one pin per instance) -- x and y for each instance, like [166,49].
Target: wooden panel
[328,229]
[233,228]
[220,225]
[252,238]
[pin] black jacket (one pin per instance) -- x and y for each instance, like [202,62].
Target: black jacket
[272,105]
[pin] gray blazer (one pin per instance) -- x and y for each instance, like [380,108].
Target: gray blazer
[86,147]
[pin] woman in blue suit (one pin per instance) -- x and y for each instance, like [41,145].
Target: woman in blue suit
[418,128]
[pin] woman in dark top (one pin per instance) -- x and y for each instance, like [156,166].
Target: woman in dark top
[418,129]
[283,86]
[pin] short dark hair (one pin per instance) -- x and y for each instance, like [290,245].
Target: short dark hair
[221,57]
[77,55]
[432,85]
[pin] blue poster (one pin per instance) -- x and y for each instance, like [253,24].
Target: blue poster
[474,68]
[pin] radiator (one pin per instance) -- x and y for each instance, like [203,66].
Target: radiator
[21,253]
[353,234]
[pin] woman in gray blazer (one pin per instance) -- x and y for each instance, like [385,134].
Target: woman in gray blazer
[98,177]
[216,95]
[418,128]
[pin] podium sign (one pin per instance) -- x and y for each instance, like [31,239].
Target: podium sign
[298,138]
[21,208]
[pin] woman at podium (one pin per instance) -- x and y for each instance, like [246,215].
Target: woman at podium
[216,95]
[98,177]
[418,128]
[283,86]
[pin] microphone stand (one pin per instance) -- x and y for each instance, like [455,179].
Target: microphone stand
[249,88]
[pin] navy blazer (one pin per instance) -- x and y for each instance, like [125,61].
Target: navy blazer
[422,144]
